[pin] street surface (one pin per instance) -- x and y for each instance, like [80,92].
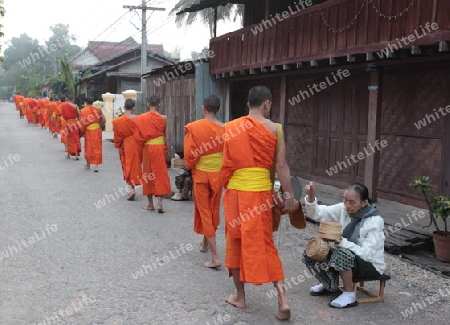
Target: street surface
[73,250]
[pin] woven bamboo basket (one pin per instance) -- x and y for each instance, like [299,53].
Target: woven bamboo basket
[330,230]
[317,249]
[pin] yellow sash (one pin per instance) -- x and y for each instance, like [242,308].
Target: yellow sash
[93,127]
[158,140]
[253,179]
[53,114]
[210,163]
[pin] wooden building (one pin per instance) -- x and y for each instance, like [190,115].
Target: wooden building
[347,75]
[182,88]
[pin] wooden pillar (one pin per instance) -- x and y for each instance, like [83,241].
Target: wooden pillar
[283,91]
[227,100]
[373,131]
[446,156]
[266,10]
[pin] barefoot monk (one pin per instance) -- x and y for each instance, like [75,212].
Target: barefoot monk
[70,113]
[203,147]
[153,133]
[91,120]
[129,150]
[249,152]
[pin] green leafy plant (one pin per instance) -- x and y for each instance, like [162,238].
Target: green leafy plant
[438,205]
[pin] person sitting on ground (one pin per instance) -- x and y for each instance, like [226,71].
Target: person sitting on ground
[359,254]
[183,182]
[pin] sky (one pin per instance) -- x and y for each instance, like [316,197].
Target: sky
[99,20]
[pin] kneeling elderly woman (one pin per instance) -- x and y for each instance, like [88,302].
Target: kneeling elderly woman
[360,251]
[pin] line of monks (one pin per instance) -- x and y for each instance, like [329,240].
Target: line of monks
[63,117]
[237,156]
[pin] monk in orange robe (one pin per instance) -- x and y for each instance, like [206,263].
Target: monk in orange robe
[91,119]
[52,118]
[32,104]
[40,112]
[249,153]
[35,110]
[203,147]
[46,113]
[130,151]
[21,105]
[16,101]
[60,125]
[70,113]
[153,134]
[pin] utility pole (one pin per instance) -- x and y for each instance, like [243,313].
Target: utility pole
[144,9]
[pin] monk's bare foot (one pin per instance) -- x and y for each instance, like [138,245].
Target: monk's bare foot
[132,196]
[87,166]
[212,264]
[232,300]
[149,208]
[284,312]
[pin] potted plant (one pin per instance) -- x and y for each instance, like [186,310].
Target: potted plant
[439,207]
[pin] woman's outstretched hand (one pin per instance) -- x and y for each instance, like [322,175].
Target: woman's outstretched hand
[311,191]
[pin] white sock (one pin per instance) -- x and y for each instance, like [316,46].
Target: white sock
[344,299]
[317,288]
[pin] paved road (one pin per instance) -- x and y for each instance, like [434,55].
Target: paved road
[66,261]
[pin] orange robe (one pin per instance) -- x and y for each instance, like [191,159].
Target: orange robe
[129,149]
[60,123]
[46,114]
[204,138]
[16,101]
[248,216]
[21,104]
[52,116]
[151,126]
[69,113]
[90,124]
[34,110]
[40,111]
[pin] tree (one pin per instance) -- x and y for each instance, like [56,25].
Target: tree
[62,41]
[175,54]
[200,55]
[28,65]
[67,76]
[228,12]
[23,51]
[2,14]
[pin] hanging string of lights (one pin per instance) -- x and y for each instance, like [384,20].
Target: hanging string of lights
[371,4]
[395,16]
[340,30]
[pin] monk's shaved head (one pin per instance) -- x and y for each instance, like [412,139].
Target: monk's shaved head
[154,101]
[129,104]
[212,104]
[258,95]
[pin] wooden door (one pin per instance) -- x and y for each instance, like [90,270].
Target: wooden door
[341,129]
